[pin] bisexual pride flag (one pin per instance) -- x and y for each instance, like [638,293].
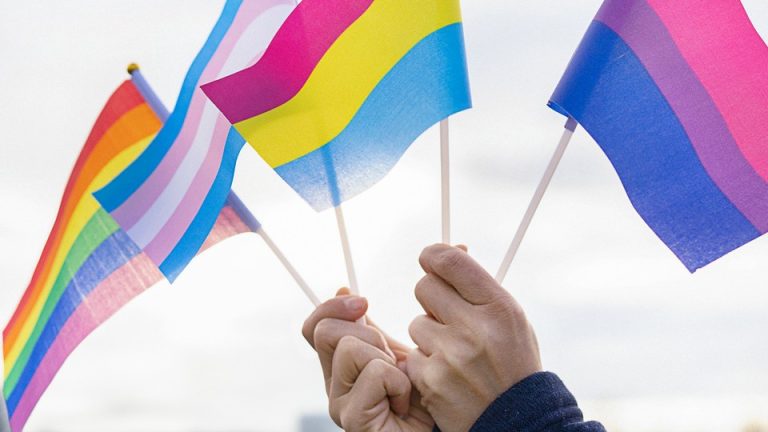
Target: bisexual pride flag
[168,200]
[89,267]
[675,92]
[345,87]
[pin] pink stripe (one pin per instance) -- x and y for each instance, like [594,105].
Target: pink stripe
[107,298]
[142,199]
[162,245]
[725,51]
[297,48]
[120,287]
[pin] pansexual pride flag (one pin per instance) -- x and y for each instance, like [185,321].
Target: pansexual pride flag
[345,87]
[168,199]
[89,267]
[676,94]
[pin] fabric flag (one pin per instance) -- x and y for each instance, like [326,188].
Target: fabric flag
[345,87]
[676,94]
[169,198]
[89,267]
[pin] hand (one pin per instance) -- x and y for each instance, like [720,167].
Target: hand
[336,319]
[368,393]
[474,343]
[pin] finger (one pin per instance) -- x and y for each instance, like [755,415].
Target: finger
[377,381]
[426,333]
[463,247]
[348,308]
[462,272]
[349,359]
[415,368]
[399,349]
[440,300]
[330,331]
[343,291]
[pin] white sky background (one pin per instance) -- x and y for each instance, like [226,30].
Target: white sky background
[644,345]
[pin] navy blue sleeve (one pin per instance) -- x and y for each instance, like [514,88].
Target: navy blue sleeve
[539,403]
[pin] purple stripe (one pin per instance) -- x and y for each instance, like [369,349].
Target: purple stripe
[299,45]
[639,26]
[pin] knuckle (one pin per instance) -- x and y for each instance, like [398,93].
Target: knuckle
[377,367]
[346,346]
[322,331]
[449,259]
[422,286]
[414,326]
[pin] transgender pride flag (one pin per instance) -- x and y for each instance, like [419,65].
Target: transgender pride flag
[167,200]
[676,94]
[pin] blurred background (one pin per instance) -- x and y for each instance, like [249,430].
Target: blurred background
[644,345]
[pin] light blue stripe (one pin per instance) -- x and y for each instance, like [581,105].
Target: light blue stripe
[427,85]
[124,185]
[201,226]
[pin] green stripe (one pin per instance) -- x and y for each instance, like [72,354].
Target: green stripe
[98,229]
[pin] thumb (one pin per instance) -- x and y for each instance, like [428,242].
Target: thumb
[463,273]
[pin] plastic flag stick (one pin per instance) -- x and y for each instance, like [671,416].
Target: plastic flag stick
[352,277]
[570,127]
[445,180]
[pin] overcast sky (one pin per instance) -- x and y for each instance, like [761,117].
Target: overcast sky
[643,344]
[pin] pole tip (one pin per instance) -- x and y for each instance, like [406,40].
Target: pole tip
[133,67]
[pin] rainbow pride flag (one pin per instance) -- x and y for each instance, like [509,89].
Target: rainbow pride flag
[676,94]
[89,267]
[168,199]
[345,87]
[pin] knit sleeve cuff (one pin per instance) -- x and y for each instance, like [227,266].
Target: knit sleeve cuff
[539,403]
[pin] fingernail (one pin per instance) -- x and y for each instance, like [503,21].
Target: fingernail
[354,304]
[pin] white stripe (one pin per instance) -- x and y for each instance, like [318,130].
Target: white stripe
[252,42]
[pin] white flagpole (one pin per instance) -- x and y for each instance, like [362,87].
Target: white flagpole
[570,128]
[288,266]
[445,178]
[162,113]
[351,275]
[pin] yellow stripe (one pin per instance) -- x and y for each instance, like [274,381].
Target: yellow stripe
[345,76]
[84,210]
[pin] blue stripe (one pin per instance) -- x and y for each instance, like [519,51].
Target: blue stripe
[112,254]
[427,85]
[610,93]
[201,226]
[124,185]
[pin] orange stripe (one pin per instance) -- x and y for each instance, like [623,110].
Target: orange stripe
[122,100]
[134,125]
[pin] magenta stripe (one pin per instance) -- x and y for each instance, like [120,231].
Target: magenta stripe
[725,51]
[142,199]
[168,237]
[639,26]
[106,299]
[297,48]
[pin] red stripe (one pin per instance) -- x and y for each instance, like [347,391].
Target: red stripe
[124,99]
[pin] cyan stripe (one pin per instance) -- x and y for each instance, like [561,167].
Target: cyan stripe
[427,85]
[609,92]
[113,253]
[124,185]
[201,225]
